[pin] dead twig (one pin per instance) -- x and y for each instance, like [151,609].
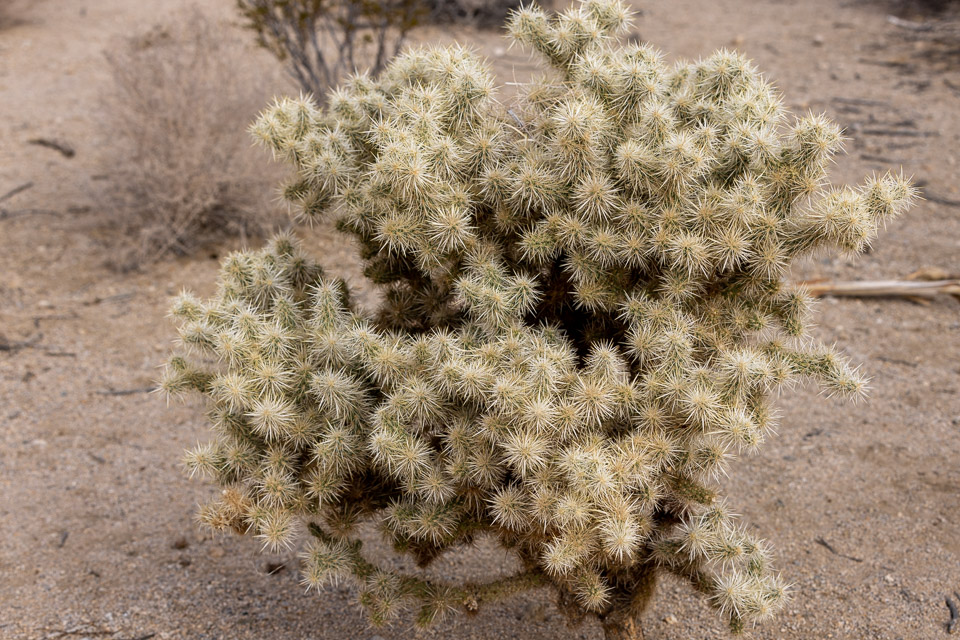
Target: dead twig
[954,614]
[51,317]
[896,146]
[124,392]
[892,62]
[939,200]
[829,547]
[907,24]
[13,347]
[32,343]
[880,159]
[900,361]
[76,631]
[117,297]
[517,119]
[860,102]
[884,288]
[16,190]
[9,214]
[900,132]
[56,145]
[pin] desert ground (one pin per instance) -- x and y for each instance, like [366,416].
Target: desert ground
[97,530]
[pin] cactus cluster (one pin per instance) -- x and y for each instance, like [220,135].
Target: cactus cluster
[582,321]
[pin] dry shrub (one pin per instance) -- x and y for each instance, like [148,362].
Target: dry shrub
[321,42]
[180,165]
[483,14]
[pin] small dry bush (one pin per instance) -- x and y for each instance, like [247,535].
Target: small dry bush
[180,167]
[321,42]
[483,14]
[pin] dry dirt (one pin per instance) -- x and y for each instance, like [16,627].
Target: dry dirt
[97,537]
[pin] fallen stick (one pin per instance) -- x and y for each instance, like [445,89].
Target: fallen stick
[124,392]
[884,63]
[861,102]
[947,202]
[880,159]
[907,24]
[884,288]
[15,191]
[8,214]
[954,615]
[117,297]
[900,132]
[57,145]
[829,547]
[13,347]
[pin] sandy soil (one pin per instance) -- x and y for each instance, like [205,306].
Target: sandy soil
[97,538]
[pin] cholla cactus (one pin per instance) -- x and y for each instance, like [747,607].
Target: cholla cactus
[582,321]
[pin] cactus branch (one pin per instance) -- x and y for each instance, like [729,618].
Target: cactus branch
[469,597]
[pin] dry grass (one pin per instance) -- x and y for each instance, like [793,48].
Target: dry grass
[180,165]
